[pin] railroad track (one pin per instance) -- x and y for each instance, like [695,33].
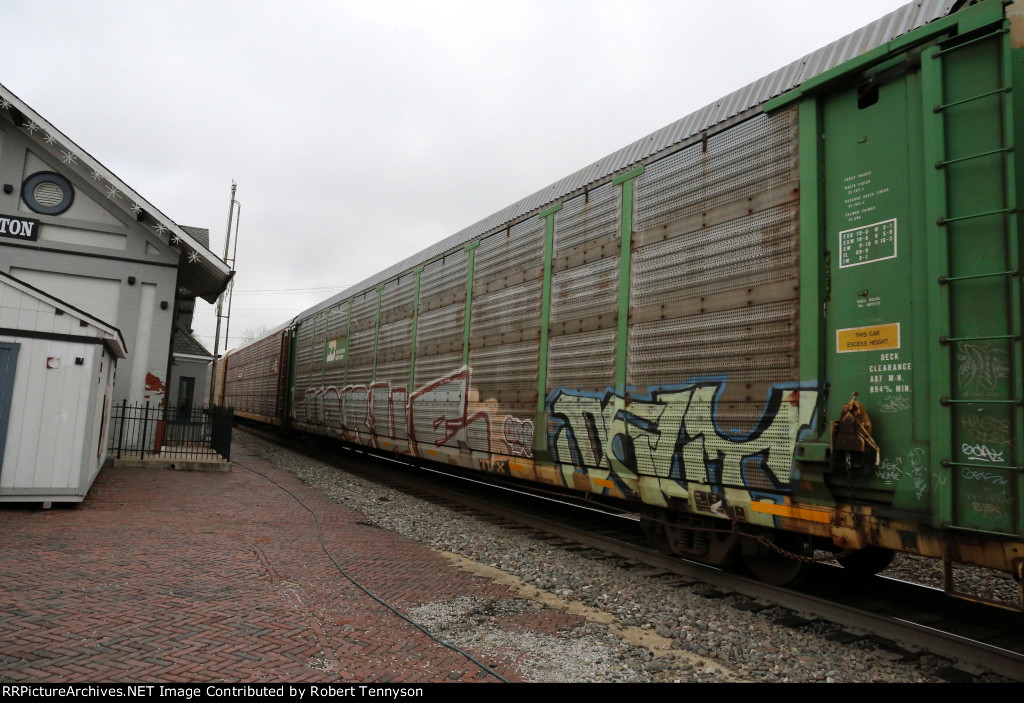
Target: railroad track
[901,617]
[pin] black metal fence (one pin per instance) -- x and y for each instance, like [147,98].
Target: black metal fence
[142,430]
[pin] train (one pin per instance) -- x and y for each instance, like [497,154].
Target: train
[786,324]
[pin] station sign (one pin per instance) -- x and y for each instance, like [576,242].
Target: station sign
[19,228]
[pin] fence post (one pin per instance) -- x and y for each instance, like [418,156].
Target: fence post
[120,430]
[161,428]
[145,427]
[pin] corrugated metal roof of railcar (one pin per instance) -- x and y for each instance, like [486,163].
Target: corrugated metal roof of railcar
[899,22]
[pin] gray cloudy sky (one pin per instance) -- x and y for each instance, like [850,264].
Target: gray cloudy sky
[361,132]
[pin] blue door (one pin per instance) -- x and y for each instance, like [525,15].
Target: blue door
[8,361]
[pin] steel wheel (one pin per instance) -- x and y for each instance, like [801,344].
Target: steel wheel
[781,569]
[868,561]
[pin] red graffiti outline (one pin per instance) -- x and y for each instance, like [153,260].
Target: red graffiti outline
[451,427]
[364,429]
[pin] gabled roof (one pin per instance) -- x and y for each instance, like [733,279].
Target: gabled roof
[201,234]
[209,272]
[186,343]
[110,335]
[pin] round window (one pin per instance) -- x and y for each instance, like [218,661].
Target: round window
[47,193]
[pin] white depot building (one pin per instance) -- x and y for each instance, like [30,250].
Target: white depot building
[93,275]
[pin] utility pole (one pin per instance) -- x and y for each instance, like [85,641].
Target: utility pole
[232,206]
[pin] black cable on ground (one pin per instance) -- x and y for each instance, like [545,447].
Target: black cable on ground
[354,582]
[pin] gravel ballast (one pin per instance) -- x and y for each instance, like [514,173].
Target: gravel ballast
[637,629]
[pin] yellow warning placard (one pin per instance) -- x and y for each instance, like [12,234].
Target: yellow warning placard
[859,339]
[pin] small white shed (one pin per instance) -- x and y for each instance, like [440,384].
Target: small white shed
[57,367]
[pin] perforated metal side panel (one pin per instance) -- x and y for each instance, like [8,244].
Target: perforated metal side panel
[584,361]
[439,332]
[590,289]
[396,300]
[505,344]
[439,342]
[734,358]
[749,158]
[505,311]
[439,398]
[512,251]
[394,344]
[393,352]
[443,277]
[587,217]
[755,250]
[391,387]
[337,325]
[363,330]
[505,329]
[750,346]
[434,335]
[303,358]
[585,291]
[355,409]
[319,342]
[509,368]
[251,384]
[714,298]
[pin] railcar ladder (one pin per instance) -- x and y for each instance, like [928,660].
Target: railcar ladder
[975,308]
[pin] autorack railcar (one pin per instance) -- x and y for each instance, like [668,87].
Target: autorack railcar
[789,320]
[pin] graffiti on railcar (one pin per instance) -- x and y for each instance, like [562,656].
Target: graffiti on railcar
[909,474]
[981,367]
[518,435]
[673,432]
[439,414]
[445,412]
[986,429]
[679,433]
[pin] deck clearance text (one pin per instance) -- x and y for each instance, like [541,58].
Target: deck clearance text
[879,368]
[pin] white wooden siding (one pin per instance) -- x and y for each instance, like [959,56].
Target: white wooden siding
[96,296]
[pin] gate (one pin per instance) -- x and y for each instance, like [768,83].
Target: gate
[189,433]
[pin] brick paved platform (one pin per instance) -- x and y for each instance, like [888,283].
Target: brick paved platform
[168,576]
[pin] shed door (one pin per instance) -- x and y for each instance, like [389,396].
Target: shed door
[8,362]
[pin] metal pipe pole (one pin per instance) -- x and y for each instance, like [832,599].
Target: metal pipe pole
[231,283]
[220,298]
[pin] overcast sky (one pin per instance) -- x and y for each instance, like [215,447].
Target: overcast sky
[362,132]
